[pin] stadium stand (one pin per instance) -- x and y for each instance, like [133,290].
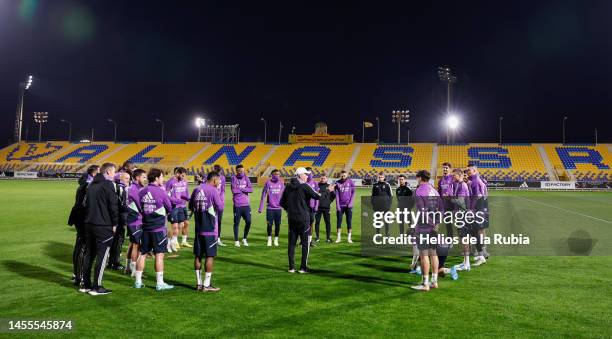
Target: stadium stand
[495,162]
[506,162]
[586,163]
[228,156]
[321,157]
[391,159]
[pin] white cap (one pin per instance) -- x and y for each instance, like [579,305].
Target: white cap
[301,170]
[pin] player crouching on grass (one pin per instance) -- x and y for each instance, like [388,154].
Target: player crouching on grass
[427,200]
[134,220]
[271,194]
[155,205]
[204,203]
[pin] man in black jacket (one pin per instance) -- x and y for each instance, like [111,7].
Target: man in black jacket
[77,219]
[404,197]
[381,197]
[122,182]
[323,210]
[101,220]
[296,201]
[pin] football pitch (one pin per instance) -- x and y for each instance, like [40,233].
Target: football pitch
[345,295]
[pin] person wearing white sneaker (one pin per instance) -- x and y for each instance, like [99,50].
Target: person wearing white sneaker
[221,191]
[271,195]
[241,188]
[276,241]
[204,203]
[155,205]
[134,218]
[245,243]
[345,198]
[427,200]
[479,204]
[296,201]
[178,191]
[237,243]
[460,200]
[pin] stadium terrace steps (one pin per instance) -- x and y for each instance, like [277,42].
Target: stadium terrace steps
[434,162]
[507,162]
[547,164]
[351,162]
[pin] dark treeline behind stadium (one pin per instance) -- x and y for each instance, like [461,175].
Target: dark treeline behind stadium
[531,62]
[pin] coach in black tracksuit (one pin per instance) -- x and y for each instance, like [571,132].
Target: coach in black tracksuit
[381,198]
[100,223]
[323,209]
[296,201]
[121,189]
[77,219]
[404,197]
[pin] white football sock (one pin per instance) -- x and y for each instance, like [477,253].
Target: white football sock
[207,277]
[425,279]
[199,277]
[132,265]
[160,278]
[174,238]
[138,277]
[184,238]
[434,277]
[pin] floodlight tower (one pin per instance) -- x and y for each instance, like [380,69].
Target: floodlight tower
[446,75]
[400,117]
[40,118]
[23,87]
[452,124]
[200,123]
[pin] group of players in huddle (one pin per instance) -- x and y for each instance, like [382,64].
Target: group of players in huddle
[144,202]
[140,203]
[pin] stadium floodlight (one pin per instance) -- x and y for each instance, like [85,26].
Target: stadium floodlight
[399,117]
[280,131]
[453,122]
[115,127]
[69,128]
[377,129]
[23,87]
[446,75]
[40,118]
[200,123]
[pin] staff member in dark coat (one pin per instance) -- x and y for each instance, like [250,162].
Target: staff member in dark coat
[77,219]
[404,197]
[381,198]
[101,221]
[296,201]
[325,201]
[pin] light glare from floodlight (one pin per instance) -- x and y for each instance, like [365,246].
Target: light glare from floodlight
[452,122]
[200,122]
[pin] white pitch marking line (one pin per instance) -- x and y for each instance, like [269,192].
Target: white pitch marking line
[569,211]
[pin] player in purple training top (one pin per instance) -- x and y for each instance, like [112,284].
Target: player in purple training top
[241,187]
[427,200]
[134,219]
[155,206]
[271,195]
[479,203]
[204,203]
[345,197]
[314,204]
[221,191]
[461,199]
[178,191]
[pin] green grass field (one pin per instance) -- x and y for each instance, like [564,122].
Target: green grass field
[346,294]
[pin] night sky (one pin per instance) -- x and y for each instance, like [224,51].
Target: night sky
[303,61]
